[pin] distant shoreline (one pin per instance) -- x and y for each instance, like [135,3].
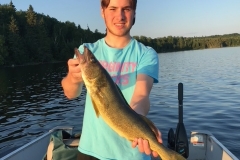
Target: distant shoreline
[52,62]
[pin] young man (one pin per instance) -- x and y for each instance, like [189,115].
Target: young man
[133,66]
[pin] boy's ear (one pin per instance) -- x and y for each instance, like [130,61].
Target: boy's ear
[102,14]
[134,19]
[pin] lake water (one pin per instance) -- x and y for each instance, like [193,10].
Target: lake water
[32,101]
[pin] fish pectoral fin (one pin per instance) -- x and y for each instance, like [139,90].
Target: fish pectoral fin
[95,107]
[151,125]
[99,96]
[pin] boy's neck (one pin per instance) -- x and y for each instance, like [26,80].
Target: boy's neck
[116,41]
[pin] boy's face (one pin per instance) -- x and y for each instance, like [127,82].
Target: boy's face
[118,17]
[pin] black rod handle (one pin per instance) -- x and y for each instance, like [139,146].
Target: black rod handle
[180,102]
[180,92]
[181,139]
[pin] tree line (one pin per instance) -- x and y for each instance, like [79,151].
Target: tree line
[28,37]
[171,44]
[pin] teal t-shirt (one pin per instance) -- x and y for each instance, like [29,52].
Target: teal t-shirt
[97,138]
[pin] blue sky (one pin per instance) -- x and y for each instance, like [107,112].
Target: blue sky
[154,18]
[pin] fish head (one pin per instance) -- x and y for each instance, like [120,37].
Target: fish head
[90,66]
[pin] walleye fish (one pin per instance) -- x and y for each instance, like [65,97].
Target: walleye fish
[110,104]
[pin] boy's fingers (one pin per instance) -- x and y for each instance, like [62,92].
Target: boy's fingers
[146,147]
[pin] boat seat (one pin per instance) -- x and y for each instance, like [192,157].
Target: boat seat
[71,142]
[68,142]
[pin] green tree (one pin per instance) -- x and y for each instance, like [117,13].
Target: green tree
[12,6]
[16,48]
[31,16]
[44,46]
[13,26]
[3,50]
[31,35]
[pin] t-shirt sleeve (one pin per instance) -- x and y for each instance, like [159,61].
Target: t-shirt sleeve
[149,64]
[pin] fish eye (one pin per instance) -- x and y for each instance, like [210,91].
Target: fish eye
[92,59]
[82,61]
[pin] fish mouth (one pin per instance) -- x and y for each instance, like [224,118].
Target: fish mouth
[79,56]
[87,54]
[85,57]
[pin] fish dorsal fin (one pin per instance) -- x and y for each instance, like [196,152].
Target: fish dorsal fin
[95,107]
[151,125]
